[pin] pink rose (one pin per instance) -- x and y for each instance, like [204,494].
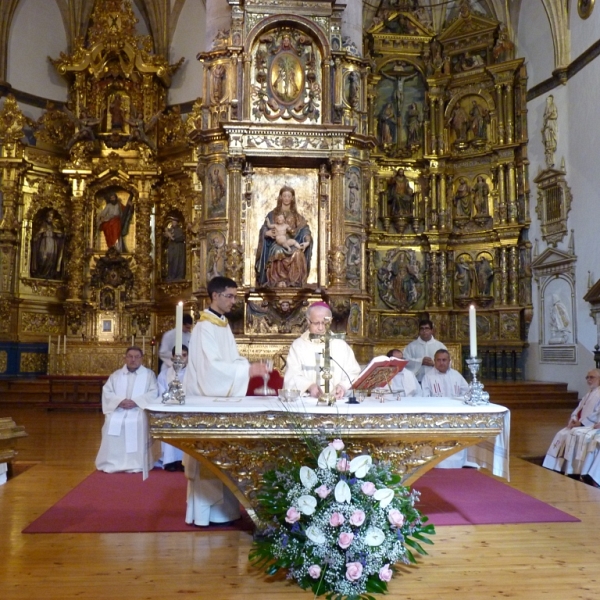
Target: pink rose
[396,518]
[343,465]
[292,515]
[385,573]
[322,491]
[337,445]
[357,518]
[368,488]
[336,519]
[315,571]
[345,540]
[353,571]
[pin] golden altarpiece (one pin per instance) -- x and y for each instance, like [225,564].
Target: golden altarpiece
[392,184]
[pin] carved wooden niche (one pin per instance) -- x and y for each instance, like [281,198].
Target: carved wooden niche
[553,205]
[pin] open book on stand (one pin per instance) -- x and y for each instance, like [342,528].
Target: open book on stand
[378,373]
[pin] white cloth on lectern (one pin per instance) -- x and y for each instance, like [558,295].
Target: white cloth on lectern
[305,360]
[215,368]
[169,454]
[416,351]
[126,445]
[167,343]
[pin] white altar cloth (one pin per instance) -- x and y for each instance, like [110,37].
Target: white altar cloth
[492,454]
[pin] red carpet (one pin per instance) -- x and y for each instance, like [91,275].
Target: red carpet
[123,503]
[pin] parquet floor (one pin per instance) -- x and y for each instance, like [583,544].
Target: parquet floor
[538,561]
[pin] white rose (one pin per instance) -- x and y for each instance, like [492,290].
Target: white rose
[306,504]
[384,496]
[342,492]
[374,536]
[314,534]
[360,465]
[308,477]
[327,458]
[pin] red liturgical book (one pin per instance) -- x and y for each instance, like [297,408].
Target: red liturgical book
[378,373]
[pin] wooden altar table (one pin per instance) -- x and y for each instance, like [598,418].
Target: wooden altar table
[237,439]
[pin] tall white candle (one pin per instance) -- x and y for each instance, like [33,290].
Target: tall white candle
[473,331]
[178,328]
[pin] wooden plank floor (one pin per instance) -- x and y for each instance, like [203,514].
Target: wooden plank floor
[537,561]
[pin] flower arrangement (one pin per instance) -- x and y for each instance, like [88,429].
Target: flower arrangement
[338,528]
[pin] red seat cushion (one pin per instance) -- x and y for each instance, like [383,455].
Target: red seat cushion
[275,383]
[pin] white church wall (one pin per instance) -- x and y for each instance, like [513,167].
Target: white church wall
[188,40]
[583,32]
[37,32]
[578,116]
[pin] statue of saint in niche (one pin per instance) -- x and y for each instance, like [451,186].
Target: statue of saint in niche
[47,249]
[282,265]
[481,191]
[114,220]
[400,195]
[175,237]
[560,322]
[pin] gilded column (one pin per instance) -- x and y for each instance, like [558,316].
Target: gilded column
[443,278]
[75,265]
[337,250]
[434,127]
[143,243]
[510,113]
[503,277]
[513,276]
[512,194]
[434,201]
[440,127]
[500,112]
[443,204]
[324,219]
[435,280]
[501,194]
[235,165]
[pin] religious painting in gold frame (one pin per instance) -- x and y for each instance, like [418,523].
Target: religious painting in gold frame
[266,185]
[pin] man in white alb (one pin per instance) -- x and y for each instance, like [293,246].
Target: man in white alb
[568,452]
[305,358]
[215,368]
[126,445]
[421,351]
[171,457]
[167,343]
[404,383]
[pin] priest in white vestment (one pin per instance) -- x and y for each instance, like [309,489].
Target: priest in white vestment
[305,358]
[215,368]
[404,383]
[171,458]
[443,381]
[126,444]
[568,452]
[421,351]
[167,342]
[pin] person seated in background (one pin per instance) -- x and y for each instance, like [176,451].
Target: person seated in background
[573,449]
[168,342]
[442,380]
[126,445]
[420,352]
[305,358]
[171,457]
[404,383]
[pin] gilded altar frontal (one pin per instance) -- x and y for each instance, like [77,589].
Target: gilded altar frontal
[385,174]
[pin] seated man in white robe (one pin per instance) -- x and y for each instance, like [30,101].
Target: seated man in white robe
[568,450]
[404,383]
[126,445]
[420,352]
[215,368]
[444,382]
[305,359]
[171,457]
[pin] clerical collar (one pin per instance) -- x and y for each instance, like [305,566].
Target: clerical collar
[214,312]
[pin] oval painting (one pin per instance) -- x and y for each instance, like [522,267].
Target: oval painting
[286,78]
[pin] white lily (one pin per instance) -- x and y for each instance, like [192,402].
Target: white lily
[328,458]
[360,465]
[314,534]
[306,504]
[308,477]
[342,492]
[384,496]
[374,536]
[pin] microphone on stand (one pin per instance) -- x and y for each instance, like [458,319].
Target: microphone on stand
[352,399]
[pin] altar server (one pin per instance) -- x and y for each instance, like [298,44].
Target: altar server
[443,380]
[305,359]
[171,457]
[573,448]
[126,445]
[420,352]
[215,368]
